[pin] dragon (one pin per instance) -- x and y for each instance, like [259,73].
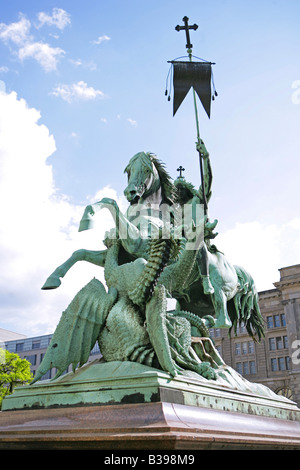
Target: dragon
[130,320]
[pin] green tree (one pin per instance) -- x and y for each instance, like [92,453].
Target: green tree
[13,371]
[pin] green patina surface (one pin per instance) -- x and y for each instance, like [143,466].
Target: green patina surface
[127,382]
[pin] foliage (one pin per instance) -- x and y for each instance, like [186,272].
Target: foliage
[13,371]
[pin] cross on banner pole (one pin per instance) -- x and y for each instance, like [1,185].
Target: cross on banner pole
[187,27]
[189,46]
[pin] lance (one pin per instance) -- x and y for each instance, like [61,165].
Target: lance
[197,75]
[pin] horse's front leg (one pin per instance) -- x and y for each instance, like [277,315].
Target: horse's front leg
[132,240]
[87,222]
[94,257]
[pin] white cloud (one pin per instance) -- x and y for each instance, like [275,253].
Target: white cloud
[44,54]
[77,91]
[18,33]
[101,39]
[132,122]
[262,249]
[39,226]
[4,69]
[59,18]
[90,65]
[76,62]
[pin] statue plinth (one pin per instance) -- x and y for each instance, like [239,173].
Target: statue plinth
[122,405]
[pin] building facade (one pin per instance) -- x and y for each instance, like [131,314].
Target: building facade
[34,349]
[275,361]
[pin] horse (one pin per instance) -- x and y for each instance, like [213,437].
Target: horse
[149,188]
[234,299]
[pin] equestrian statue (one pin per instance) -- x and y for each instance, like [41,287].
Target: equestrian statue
[159,249]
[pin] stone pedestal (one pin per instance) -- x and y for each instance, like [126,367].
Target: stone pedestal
[121,405]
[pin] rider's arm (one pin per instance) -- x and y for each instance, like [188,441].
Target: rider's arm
[207,172]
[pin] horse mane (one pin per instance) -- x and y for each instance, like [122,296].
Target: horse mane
[168,190]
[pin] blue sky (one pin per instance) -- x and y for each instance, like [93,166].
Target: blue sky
[85,84]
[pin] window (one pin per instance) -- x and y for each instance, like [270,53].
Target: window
[251,347]
[281,363]
[36,344]
[276,321]
[285,392]
[237,348]
[280,342]
[244,348]
[246,368]
[274,366]
[31,359]
[19,347]
[272,345]
[215,332]
[252,367]
[47,375]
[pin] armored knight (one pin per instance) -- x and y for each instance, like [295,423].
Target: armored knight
[186,194]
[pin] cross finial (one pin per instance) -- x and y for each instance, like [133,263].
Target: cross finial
[187,27]
[180,169]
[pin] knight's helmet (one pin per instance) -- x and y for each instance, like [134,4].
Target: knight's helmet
[184,191]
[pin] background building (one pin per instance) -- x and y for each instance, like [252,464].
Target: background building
[274,362]
[34,349]
[6,335]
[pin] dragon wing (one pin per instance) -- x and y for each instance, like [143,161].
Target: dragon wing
[78,329]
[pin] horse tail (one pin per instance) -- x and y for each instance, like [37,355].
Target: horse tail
[244,306]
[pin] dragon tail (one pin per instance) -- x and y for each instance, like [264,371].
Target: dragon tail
[244,306]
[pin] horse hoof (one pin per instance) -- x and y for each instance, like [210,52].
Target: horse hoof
[85,224]
[52,283]
[207,286]
[223,323]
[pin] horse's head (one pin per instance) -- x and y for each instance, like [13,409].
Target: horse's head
[142,176]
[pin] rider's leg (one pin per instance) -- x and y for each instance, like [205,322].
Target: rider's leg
[95,257]
[204,270]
